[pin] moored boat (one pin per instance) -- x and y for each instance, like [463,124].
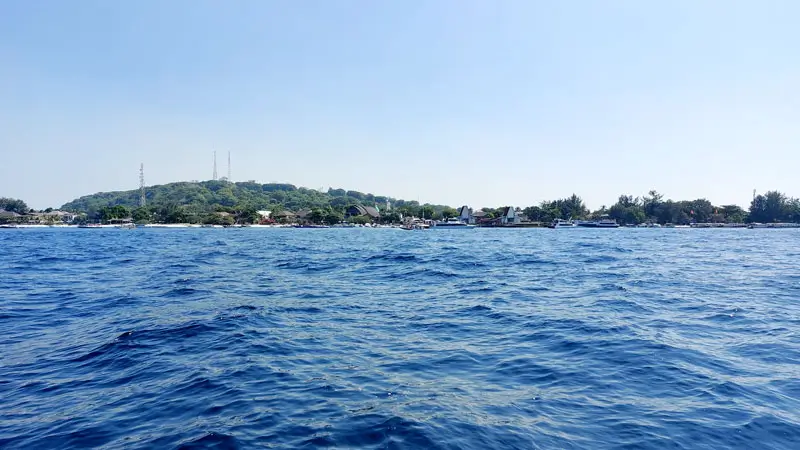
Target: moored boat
[415,224]
[602,223]
[561,223]
[449,224]
[774,225]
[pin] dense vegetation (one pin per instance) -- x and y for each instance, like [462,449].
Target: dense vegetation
[770,207]
[13,205]
[221,202]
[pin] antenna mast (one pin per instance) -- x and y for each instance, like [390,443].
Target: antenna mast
[229,167]
[214,177]
[142,196]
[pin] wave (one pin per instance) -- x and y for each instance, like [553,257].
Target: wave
[497,339]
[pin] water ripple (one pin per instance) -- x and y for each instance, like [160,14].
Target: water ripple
[216,338]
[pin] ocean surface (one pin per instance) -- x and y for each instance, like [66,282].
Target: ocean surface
[359,338]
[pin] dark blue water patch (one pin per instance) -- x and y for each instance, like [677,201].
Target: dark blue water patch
[476,309]
[383,339]
[211,440]
[618,305]
[396,258]
[525,370]
[600,259]
[182,292]
[533,261]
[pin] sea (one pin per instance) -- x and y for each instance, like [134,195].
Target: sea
[384,338]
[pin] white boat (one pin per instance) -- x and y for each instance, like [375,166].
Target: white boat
[451,223]
[607,223]
[774,225]
[415,225]
[648,225]
[561,223]
[602,223]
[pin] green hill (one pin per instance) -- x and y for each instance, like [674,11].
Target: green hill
[196,201]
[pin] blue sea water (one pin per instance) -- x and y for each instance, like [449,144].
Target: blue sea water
[356,338]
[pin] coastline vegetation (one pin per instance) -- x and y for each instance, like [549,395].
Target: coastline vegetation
[225,203]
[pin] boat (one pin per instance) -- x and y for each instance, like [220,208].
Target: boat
[561,223]
[602,223]
[415,224]
[607,223]
[648,225]
[90,225]
[774,225]
[452,223]
[9,225]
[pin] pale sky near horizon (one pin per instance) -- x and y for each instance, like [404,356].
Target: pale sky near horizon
[484,103]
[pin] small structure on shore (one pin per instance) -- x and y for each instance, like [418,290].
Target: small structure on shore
[362,211]
[284,216]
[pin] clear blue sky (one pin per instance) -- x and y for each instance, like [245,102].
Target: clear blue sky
[485,103]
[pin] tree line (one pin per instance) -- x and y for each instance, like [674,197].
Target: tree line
[771,207]
[13,205]
[222,202]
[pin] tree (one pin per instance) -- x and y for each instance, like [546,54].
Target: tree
[13,205]
[390,217]
[733,213]
[359,220]
[141,215]
[427,212]
[535,214]
[333,217]
[108,213]
[653,204]
[245,213]
[628,210]
[355,194]
[448,212]
[171,213]
[572,207]
[774,206]
[316,216]
[792,210]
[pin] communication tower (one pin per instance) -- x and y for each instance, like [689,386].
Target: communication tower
[142,196]
[214,177]
[229,167]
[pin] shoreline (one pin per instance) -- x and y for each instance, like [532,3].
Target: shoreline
[703,226]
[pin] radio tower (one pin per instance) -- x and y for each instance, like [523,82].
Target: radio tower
[142,196]
[214,177]
[229,167]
